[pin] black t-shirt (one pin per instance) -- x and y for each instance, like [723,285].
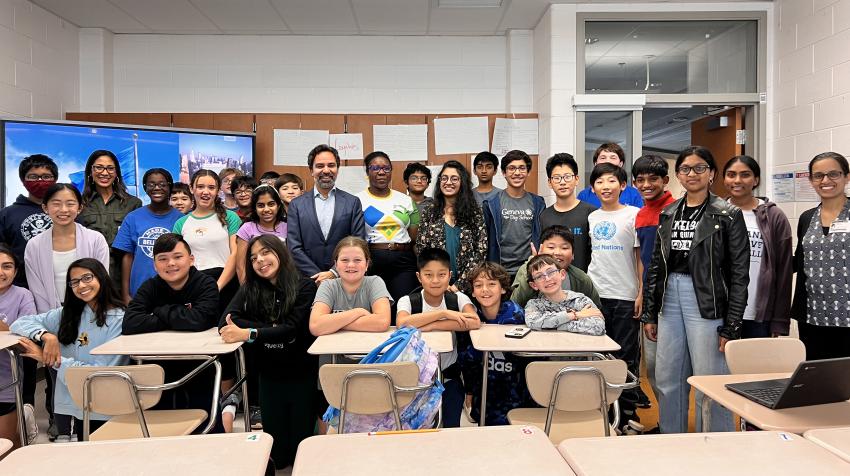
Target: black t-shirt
[576,221]
[684,226]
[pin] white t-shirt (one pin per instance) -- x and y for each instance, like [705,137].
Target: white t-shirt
[756,249]
[209,239]
[61,261]
[387,218]
[613,239]
[446,359]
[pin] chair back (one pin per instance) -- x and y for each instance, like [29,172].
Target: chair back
[370,386]
[764,355]
[111,393]
[580,387]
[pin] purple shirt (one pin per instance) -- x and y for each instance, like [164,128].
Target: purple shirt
[14,303]
[251,229]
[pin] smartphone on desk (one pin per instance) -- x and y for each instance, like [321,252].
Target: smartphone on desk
[517,332]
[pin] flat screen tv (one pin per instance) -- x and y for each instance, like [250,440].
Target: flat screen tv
[69,144]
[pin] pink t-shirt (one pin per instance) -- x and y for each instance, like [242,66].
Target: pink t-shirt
[251,229]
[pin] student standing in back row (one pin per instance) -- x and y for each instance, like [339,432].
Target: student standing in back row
[484,166]
[611,153]
[513,215]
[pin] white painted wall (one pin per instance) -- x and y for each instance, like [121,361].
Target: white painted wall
[335,74]
[811,111]
[39,62]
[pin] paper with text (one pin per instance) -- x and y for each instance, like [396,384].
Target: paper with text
[407,142]
[510,134]
[460,135]
[350,146]
[291,146]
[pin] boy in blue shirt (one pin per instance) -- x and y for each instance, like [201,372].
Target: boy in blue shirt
[611,153]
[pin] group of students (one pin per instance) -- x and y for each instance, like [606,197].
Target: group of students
[274,267]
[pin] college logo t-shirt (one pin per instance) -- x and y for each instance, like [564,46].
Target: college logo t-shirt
[136,235]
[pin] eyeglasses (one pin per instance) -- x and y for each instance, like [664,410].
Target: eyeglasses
[686,170]
[419,178]
[86,279]
[451,179]
[156,185]
[380,168]
[243,191]
[545,275]
[832,174]
[40,178]
[103,168]
[516,168]
[562,178]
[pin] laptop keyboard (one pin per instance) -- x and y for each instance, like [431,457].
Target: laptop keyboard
[769,395]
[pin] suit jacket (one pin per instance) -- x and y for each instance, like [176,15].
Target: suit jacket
[311,251]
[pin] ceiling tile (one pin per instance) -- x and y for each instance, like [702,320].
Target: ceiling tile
[317,16]
[256,16]
[470,21]
[396,17]
[94,14]
[168,16]
[523,14]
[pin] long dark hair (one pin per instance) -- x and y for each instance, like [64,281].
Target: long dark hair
[217,205]
[466,207]
[72,311]
[264,189]
[118,187]
[260,293]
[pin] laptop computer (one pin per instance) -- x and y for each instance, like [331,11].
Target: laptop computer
[815,382]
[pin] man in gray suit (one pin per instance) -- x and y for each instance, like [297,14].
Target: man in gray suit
[319,219]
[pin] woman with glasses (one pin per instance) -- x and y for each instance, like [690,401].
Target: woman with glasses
[822,297]
[392,223]
[455,223]
[106,202]
[698,276]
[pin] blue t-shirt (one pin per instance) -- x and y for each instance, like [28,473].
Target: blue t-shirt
[630,196]
[137,234]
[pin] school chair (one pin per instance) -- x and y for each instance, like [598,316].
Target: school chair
[125,394]
[370,389]
[575,397]
[764,355]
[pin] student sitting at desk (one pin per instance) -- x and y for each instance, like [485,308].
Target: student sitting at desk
[271,312]
[506,387]
[178,298]
[433,307]
[558,309]
[91,316]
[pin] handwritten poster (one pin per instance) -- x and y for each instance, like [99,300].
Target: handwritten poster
[352,179]
[291,146]
[402,142]
[510,134]
[350,146]
[460,135]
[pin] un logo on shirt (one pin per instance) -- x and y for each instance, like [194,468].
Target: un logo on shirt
[604,230]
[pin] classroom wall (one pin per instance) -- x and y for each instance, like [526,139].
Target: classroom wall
[812,77]
[39,62]
[309,74]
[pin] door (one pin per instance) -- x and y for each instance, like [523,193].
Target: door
[719,134]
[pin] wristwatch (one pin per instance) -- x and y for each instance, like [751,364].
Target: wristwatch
[252,335]
[38,335]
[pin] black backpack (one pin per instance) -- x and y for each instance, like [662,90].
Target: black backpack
[416,301]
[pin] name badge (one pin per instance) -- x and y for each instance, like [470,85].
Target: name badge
[842,226]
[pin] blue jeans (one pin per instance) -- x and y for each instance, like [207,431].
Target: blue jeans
[650,350]
[687,345]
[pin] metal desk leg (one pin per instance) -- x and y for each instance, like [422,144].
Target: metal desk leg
[440,408]
[242,374]
[706,413]
[485,362]
[19,402]
[216,388]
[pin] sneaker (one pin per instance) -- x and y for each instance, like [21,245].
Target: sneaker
[63,438]
[31,424]
[52,431]
[642,399]
[256,418]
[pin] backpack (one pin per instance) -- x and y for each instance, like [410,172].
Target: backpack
[415,297]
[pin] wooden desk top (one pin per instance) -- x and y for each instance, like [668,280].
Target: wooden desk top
[491,337]
[202,455]
[795,420]
[207,342]
[7,339]
[696,454]
[5,445]
[351,342]
[487,451]
[836,440]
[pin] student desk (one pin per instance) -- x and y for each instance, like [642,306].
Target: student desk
[509,450]
[5,445]
[233,453]
[696,454]
[491,338]
[794,420]
[359,343]
[7,342]
[836,440]
[175,345]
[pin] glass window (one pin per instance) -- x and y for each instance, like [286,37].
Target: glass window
[602,127]
[671,57]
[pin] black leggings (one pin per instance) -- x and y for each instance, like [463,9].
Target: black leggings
[287,408]
[398,270]
[64,424]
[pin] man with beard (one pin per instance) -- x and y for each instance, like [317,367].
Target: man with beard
[319,219]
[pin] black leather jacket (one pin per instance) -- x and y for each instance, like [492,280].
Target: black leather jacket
[719,262]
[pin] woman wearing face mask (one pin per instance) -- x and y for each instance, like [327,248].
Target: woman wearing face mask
[821,299]
[106,202]
[392,222]
[768,311]
[454,222]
